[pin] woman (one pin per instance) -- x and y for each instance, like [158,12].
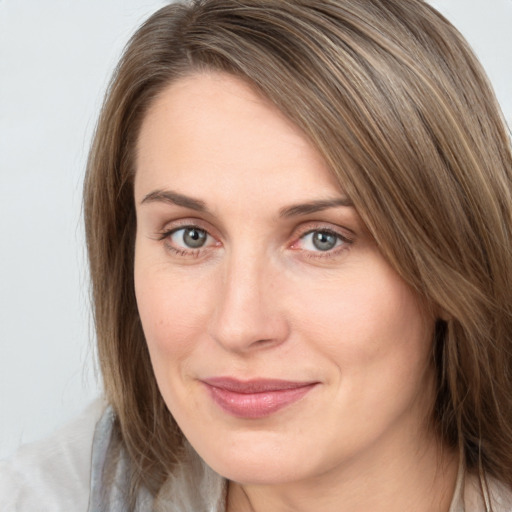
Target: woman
[298,222]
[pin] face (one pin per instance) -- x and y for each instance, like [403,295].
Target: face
[282,342]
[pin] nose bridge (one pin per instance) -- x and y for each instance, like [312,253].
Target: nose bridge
[246,313]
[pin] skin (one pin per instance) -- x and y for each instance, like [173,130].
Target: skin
[260,300]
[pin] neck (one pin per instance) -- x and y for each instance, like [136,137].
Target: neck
[380,481]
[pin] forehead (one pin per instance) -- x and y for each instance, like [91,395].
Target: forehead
[215,129]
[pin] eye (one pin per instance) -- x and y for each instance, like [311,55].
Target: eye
[321,240]
[190,237]
[187,238]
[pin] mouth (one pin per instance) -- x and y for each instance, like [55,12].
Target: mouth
[256,398]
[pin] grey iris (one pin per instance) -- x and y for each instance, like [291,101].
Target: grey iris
[324,241]
[194,238]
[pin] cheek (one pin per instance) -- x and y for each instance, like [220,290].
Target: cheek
[172,312]
[172,315]
[369,324]
[377,339]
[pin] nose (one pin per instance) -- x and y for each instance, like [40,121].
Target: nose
[249,311]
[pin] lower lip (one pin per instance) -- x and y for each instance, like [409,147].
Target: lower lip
[256,405]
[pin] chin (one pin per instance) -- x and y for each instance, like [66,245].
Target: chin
[260,464]
[258,472]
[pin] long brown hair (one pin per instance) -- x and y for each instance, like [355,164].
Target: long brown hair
[399,107]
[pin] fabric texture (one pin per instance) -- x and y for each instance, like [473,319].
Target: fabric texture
[66,473]
[52,475]
[179,494]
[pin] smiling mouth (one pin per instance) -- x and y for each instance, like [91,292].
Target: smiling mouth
[256,398]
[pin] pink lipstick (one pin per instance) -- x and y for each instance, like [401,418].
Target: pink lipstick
[255,398]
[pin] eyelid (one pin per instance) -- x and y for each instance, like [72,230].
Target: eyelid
[183,228]
[309,227]
[187,222]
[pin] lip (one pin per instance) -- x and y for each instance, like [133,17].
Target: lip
[257,398]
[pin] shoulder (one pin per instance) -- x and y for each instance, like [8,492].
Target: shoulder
[52,474]
[501,496]
[489,495]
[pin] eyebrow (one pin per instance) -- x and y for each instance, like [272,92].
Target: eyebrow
[314,206]
[167,196]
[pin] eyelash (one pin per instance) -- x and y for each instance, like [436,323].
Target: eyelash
[345,240]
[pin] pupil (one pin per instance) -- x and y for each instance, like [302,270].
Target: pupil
[324,241]
[194,238]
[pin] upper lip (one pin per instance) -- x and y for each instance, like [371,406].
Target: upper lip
[255,385]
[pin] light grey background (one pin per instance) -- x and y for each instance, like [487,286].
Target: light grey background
[55,60]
